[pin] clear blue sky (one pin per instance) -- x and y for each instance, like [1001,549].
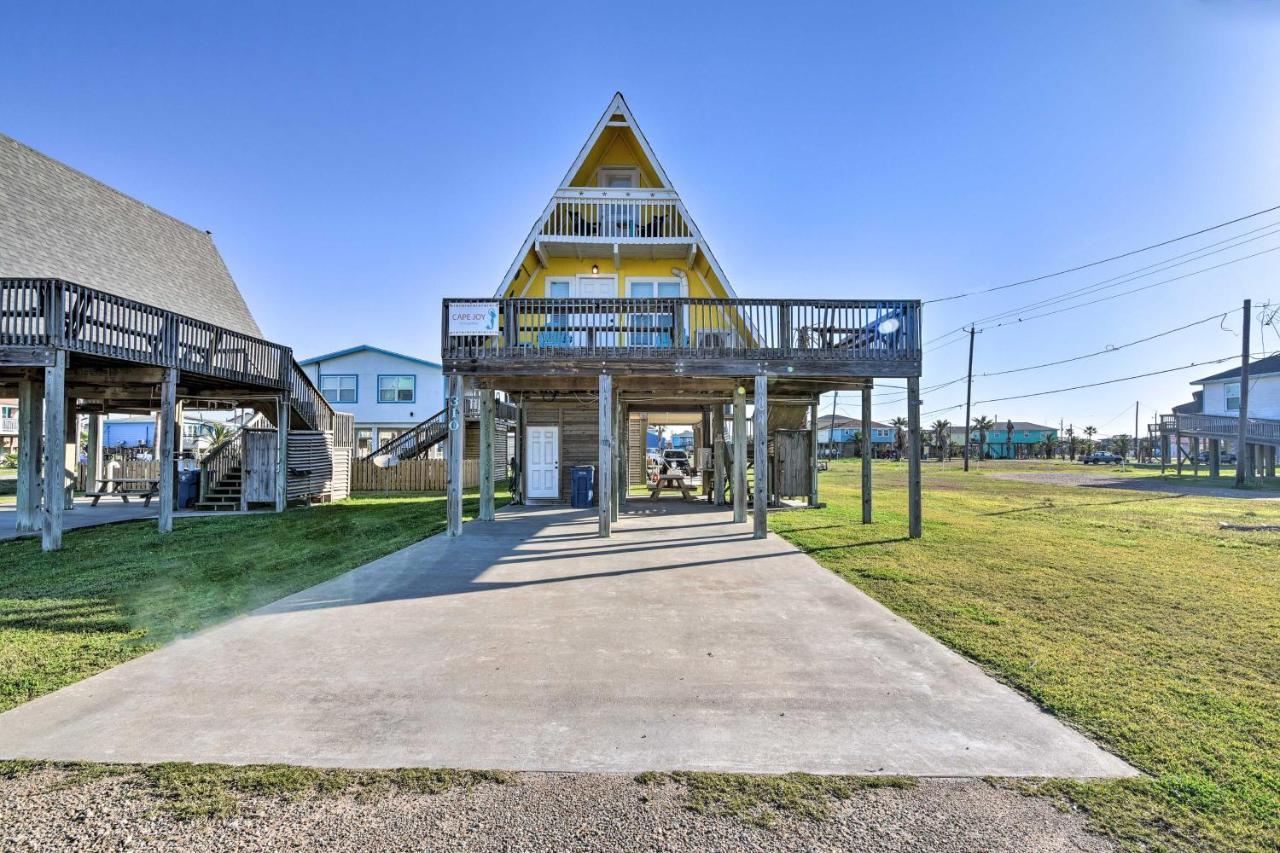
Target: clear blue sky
[357,165]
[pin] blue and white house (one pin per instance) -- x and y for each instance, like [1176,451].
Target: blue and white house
[387,392]
[838,436]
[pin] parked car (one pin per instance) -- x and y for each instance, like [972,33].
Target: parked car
[1101,457]
[1224,458]
[677,460]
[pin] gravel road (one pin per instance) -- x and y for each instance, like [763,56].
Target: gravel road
[49,810]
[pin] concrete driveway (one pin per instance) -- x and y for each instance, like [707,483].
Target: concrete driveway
[529,644]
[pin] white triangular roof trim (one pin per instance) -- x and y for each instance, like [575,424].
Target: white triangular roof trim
[617,105]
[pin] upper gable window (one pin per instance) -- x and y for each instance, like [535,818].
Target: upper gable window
[1232,393]
[619,177]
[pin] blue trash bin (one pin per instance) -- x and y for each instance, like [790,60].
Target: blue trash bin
[582,480]
[188,488]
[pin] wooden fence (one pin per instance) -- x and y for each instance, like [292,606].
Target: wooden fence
[411,475]
[130,469]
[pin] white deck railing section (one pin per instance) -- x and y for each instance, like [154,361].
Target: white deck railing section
[1262,430]
[610,216]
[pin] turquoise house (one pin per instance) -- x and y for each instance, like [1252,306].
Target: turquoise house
[838,436]
[1008,440]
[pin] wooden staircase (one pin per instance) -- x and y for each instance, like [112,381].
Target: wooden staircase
[224,494]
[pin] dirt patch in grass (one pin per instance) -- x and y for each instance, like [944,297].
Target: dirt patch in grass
[759,800]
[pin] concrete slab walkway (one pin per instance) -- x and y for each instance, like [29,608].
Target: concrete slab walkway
[108,511]
[529,644]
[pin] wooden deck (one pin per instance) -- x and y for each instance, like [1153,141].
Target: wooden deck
[687,337]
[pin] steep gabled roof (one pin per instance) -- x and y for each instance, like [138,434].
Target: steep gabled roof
[1261,367]
[617,107]
[56,222]
[369,348]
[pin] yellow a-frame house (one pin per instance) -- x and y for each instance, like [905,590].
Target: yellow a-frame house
[615,306]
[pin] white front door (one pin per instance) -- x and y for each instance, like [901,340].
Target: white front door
[542,471]
[598,287]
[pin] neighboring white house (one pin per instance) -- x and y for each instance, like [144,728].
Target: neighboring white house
[388,392]
[1222,390]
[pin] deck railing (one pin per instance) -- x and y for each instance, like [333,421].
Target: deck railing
[812,332]
[60,314]
[610,216]
[8,426]
[1261,430]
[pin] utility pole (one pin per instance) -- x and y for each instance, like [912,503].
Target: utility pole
[1137,456]
[1242,448]
[968,401]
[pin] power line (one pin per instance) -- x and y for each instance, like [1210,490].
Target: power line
[1087,385]
[1127,277]
[1111,348]
[1104,260]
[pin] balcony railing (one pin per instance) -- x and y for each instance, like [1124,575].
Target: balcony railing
[712,336]
[8,426]
[59,314]
[1260,430]
[611,216]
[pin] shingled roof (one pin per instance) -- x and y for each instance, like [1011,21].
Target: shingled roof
[56,222]
[1258,367]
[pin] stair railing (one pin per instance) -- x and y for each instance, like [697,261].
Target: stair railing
[219,461]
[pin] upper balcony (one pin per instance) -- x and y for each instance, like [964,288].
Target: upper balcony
[1259,430]
[8,426]
[691,337]
[585,222]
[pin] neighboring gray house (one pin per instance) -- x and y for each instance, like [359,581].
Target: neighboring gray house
[58,222]
[387,392]
[1213,416]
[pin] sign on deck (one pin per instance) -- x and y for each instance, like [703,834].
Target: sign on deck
[473,318]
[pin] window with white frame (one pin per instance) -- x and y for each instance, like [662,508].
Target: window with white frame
[652,330]
[1232,393]
[397,389]
[339,388]
[619,177]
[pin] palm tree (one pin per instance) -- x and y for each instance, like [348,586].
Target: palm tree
[1071,443]
[1008,441]
[1089,433]
[1121,444]
[982,424]
[1050,445]
[942,438]
[900,437]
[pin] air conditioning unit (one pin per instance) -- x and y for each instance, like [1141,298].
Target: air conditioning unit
[714,339]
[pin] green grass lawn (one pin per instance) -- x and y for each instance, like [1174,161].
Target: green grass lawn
[117,591]
[1127,613]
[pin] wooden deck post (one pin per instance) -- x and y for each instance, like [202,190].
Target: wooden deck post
[1271,461]
[486,455]
[813,453]
[518,453]
[739,455]
[1215,457]
[1195,455]
[30,429]
[282,452]
[164,447]
[717,454]
[864,439]
[760,500]
[454,449]
[1177,448]
[604,469]
[913,457]
[55,427]
[70,455]
[94,469]
[619,457]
